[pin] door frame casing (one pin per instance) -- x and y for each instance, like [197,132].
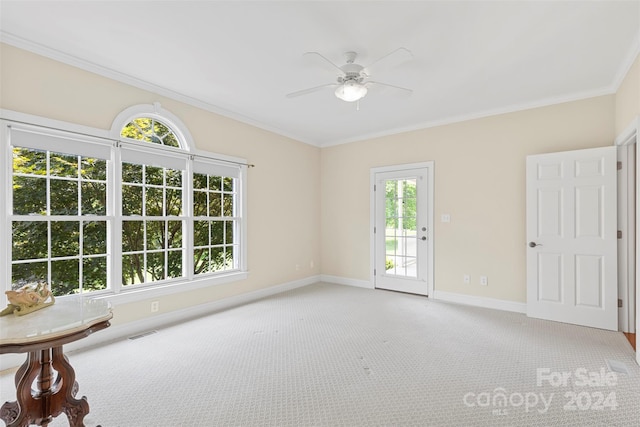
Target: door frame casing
[627,239]
[629,136]
[428,166]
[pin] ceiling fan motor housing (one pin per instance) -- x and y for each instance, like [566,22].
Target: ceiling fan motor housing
[352,72]
[351,88]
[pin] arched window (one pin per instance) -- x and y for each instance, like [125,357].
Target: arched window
[159,217]
[141,210]
[152,123]
[150,130]
[152,196]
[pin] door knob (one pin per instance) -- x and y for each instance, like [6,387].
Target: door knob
[534,244]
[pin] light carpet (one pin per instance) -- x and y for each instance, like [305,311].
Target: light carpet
[332,355]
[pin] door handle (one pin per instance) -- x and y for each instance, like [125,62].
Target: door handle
[424,237]
[534,244]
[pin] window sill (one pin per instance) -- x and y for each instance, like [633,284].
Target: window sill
[126,296]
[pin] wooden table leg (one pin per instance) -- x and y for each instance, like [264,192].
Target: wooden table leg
[20,412]
[64,398]
[52,394]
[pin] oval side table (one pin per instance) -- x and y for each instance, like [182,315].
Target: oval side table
[46,383]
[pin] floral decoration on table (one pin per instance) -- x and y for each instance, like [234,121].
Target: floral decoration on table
[28,299]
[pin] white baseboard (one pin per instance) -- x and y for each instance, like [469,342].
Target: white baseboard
[476,301]
[118,332]
[497,304]
[346,281]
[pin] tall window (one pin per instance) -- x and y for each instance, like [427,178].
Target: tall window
[59,225]
[153,223]
[92,215]
[215,223]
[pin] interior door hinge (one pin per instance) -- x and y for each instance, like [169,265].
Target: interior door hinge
[619,165]
[619,303]
[619,234]
[374,187]
[374,271]
[374,230]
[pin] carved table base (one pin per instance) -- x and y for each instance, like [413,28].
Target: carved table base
[42,394]
[46,383]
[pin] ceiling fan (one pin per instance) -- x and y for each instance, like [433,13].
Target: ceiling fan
[352,82]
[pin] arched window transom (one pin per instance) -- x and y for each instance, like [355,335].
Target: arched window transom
[150,130]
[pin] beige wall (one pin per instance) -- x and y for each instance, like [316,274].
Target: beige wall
[479,180]
[283,206]
[627,106]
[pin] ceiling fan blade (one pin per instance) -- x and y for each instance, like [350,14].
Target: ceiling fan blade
[325,61]
[391,59]
[404,89]
[310,90]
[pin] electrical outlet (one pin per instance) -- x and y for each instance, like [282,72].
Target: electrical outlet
[155,306]
[297,267]
[311,264]
[467,279]
[484,281]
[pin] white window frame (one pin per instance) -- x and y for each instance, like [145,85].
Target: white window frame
[117,293]
[33,138]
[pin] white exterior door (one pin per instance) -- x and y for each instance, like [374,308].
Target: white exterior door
[403,244]
[572,238]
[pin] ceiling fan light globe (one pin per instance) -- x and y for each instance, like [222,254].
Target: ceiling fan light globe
[351,91]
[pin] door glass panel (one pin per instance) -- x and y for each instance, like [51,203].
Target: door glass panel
[401,241]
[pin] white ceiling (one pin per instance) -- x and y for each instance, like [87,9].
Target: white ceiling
[240,58]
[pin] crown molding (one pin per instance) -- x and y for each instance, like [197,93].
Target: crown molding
[56,55]
[91,67]
[547,102]
[625,66]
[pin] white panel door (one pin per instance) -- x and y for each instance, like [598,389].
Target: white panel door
[572,238]
[402,241]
